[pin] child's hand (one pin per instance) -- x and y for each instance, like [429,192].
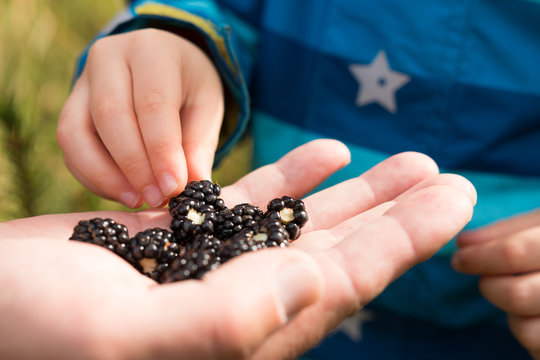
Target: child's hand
[507,257]
[143,118]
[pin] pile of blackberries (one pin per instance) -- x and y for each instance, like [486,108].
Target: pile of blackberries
[204,233]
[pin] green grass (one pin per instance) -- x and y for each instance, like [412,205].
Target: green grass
[39,44]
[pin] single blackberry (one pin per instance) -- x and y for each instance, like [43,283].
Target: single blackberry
[195,260]
[151,251]
[238,244]
[202,191]
[232,221]
[103,232]
[264,234]
[191,217]
[290,212]
[206,242]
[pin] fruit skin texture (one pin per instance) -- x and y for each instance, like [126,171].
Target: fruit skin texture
[291,212]
[231,221]
[204,191]
[151,251]
[204,233]
[196,259]
[103,232]
[194,210]
[192,217]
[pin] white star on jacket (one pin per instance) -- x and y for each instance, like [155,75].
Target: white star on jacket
[378,83]
[352,326]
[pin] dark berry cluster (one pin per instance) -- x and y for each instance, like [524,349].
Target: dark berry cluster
[204,233]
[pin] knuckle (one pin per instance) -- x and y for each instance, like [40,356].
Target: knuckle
[519,296]
[148,34]
[151,102]
[99,48]
[132,165]
[107,108]
[144,37]
[162,148]
[513,253]
[63,135]
[63,130]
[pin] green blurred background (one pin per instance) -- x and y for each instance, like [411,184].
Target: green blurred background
[39,44]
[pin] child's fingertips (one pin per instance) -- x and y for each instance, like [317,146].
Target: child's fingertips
[168,184]
[130,199]
[152,195]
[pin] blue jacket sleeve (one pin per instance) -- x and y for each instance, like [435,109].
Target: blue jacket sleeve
[225,30]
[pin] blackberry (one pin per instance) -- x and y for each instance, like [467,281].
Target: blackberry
[206,242]
[196,259]
[151,251]
[191,217]
[290,212]
[204,233]
[264,234]
[237,245]
[232,221]
[103,232]
[203,191]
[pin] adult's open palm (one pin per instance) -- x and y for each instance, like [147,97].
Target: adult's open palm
[66,299]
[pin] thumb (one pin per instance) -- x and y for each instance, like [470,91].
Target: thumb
[237,307]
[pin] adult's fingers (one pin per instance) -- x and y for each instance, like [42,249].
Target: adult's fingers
[527,331]
[409,232]
[295,174]
[500,229]
[516,253]
[342,228]
[362,265]
[381,183]
[515,294]
[84,153]
[111,107]
[220,318]
[157,92]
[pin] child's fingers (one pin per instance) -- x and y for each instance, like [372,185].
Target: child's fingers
[526,329]
[295,174]
[500,229]
[202,112]
[515,294]
[201,126]
[512,254]
[84,153]
[111,107]
[157,94]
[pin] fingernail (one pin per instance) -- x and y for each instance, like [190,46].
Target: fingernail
[129,198]
[152,196]
[167,183]
[297,287]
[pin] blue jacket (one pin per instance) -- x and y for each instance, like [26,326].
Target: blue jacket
[458,80]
